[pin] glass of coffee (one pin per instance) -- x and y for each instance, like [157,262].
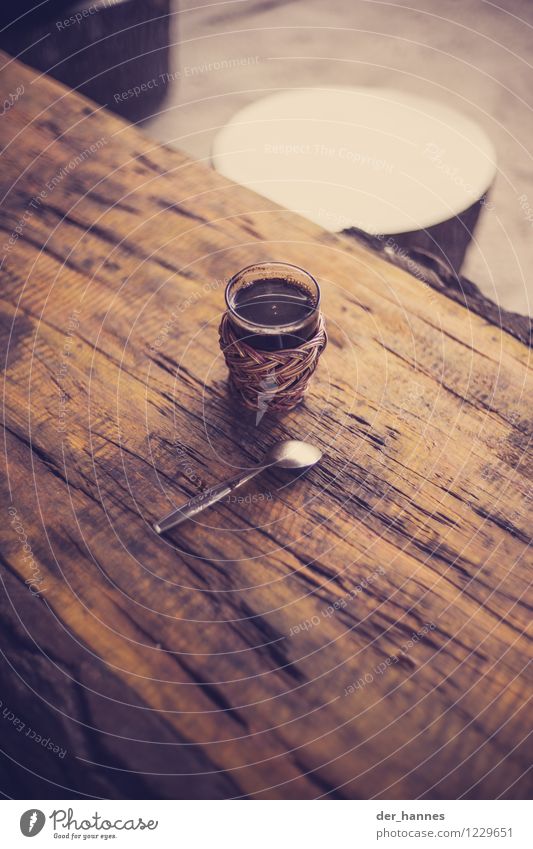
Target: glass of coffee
[273,306]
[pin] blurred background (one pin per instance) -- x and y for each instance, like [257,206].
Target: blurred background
[213,58]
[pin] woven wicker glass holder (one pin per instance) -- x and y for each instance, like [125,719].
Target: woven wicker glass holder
[270,380]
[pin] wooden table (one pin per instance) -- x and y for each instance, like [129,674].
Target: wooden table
[360,632]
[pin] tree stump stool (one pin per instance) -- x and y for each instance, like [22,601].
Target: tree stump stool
[411,171]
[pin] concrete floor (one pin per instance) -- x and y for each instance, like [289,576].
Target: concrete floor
[473,55]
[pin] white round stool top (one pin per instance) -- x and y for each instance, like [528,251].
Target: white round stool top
[375,158]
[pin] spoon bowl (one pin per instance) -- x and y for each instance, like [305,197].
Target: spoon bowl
[293,454]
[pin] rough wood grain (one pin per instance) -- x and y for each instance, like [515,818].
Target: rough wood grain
[428,267]
[266,651]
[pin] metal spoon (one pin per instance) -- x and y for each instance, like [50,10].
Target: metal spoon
[290,454]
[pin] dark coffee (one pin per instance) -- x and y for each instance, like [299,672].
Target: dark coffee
[272,303]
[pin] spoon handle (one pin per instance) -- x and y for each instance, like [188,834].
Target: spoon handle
[204,499]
